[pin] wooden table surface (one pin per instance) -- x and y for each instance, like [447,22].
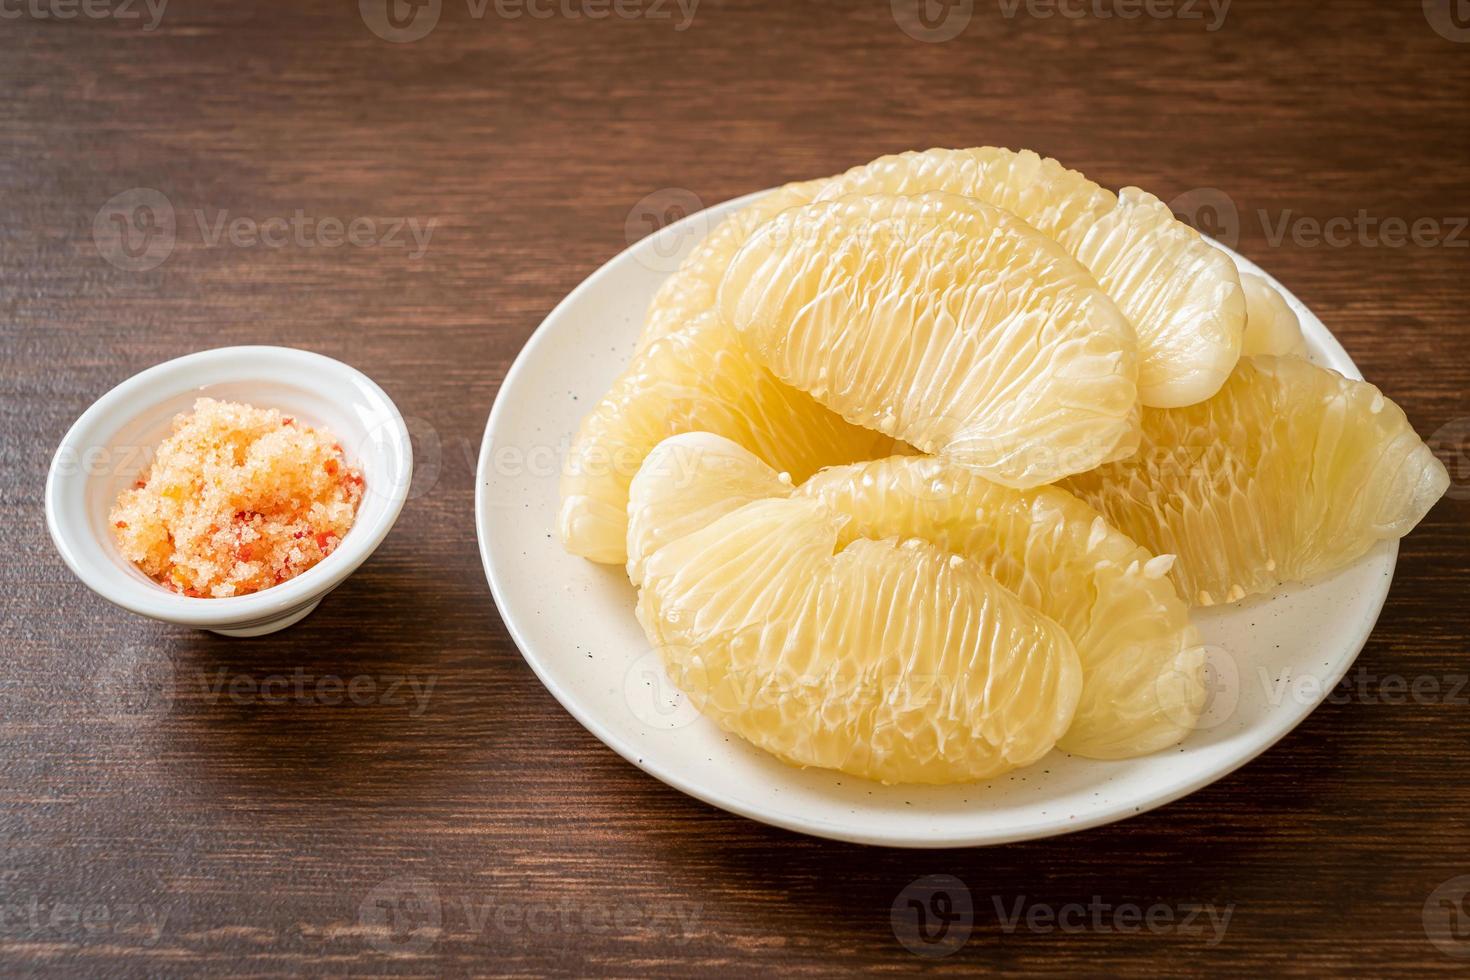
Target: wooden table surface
[163,813]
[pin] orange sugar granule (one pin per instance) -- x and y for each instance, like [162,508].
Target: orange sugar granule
[238,499]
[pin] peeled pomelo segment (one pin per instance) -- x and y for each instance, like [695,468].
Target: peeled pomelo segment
[1181,294]
[699,378]
[688,482]
[892,662]
[1271,326]
[945,322]
[1291,471]
[691,290]
[1060,203]
[1142,663]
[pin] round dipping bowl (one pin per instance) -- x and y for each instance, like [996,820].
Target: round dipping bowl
[112,444]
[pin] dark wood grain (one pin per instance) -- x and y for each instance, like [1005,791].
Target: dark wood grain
[256,834]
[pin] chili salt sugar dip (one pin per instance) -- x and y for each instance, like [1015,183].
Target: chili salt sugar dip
[108,450]
[238,499]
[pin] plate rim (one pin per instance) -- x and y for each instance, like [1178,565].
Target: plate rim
[1051,827]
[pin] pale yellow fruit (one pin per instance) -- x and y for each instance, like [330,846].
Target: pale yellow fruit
[893,662]
[944,322]
[1142,687]
[1142,663]
[1271,326]
[691,290]
[699,378]
[687,482]
[1181,294]
[1290,472]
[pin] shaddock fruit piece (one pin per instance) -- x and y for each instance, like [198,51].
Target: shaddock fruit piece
[1142,663]
[1182,295]
[1271,326]
[944,322]
[1290,472]
[690,291]
[892,661]
[699,378]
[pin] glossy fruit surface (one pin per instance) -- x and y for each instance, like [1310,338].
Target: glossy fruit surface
[699,378]
[895,662]
[944,322]
[1182,295]
[1271,327]
[1142,663]
[1290,472]
[690,290]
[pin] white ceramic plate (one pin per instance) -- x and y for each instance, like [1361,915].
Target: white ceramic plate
[1273,659]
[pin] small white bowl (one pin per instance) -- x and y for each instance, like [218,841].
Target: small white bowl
[111,445]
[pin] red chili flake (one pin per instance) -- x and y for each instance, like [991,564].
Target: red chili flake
[299,535]
[288,420]
[121,524]
[245,553]
[140,484]
[331,467]
[321,540]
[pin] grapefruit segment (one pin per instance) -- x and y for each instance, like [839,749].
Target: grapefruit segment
[944,322]
[1142,663]
[895,662]
[1271,326]
[697,378]
[1182,295]
[1291,471]
[690,291]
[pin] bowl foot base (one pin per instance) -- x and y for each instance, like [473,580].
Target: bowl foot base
[261,629]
